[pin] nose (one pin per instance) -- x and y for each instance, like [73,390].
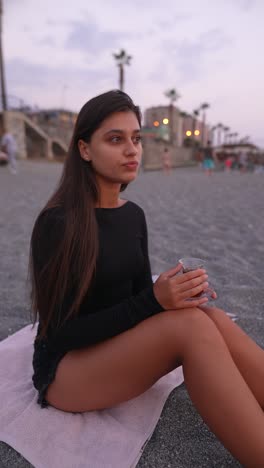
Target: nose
[130,149]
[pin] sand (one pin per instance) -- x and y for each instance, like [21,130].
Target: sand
[218,218]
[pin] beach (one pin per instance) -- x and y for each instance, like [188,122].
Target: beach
[218,218]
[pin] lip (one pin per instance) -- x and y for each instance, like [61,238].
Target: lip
[131,165]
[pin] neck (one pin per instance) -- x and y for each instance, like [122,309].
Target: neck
[109,195]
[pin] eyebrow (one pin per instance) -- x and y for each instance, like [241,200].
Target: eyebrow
[116,130]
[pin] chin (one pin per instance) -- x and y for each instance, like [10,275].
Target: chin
[129,178]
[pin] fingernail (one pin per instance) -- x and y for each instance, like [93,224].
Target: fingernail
[206,284]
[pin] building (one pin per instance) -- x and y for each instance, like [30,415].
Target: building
[57,123]
[40,133]
[186,129]
[163,119]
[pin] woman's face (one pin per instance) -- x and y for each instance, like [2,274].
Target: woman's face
[115,149]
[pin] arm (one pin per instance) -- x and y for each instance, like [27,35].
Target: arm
[144,279]
[95,327]
[91,328]
[3,144]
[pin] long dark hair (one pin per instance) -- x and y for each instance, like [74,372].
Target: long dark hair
[77,194]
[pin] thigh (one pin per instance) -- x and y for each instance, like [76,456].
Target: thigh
[122,367]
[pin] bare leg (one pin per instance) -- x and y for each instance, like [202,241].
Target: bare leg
[125,366]
[247,355]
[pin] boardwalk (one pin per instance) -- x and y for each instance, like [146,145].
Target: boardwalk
[218,218]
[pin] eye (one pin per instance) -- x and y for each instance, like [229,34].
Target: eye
[137,139]
[115,139]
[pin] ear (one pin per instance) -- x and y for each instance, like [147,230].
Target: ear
[84,150]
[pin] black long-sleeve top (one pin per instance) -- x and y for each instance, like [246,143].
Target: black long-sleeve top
[122,291]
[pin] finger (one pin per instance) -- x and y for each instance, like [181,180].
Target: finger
[195,303]
[194,291]
[187,285]
[211,292]
[190,275]
[173,271]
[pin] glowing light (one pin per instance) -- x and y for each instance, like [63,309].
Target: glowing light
[188,133]
[156,123]
[165,121]
[197,132]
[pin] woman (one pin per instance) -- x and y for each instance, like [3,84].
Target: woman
[166,161]
[208,162]
[106,333]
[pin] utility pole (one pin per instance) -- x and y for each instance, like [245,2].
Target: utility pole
[2,73]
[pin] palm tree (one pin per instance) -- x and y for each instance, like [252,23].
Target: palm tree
[229,136]
[226,129]
[219,127]
[213,134]
[196,113]
[184,115]
[235,135]
[2,74]
[122,59]
[173,96]
[203,107]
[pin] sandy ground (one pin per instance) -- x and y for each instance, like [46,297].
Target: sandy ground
[218,218]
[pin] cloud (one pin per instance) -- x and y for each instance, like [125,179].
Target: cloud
[173,21]
[34,82]
[245,4]
[188,59]
[47,41]
[89,38]
[209,42]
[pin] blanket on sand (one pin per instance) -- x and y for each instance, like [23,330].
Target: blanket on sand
[111,438]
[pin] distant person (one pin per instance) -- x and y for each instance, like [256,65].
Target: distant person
[106,333]
[208,162]
[9,147]
[166,161]
[243,161]
[3,159]
[228,163]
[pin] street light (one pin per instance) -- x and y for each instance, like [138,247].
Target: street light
[122,59]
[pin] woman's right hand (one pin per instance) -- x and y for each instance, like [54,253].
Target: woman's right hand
[172,291]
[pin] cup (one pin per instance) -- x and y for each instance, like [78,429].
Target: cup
[191,264]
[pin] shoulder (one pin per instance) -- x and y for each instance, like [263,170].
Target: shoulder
[4,138]
[49,222]
[135,208]
[136,214]
[9,137]
[51,215]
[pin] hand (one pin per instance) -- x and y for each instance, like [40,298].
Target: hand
[211,292]
[172,291]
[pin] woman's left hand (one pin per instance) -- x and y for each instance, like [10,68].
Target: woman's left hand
[211,292]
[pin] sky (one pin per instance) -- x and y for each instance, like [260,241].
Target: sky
[60,54]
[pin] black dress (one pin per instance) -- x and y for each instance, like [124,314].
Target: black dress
[121,295]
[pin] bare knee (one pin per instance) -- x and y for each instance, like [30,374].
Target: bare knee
[187,327]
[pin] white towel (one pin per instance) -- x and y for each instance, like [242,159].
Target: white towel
[48,437]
